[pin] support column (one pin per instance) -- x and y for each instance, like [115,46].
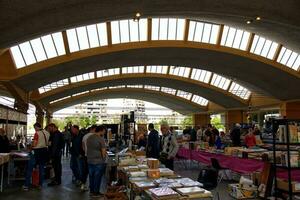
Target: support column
[40,117]
[201,119]
[290,110]
[49,117]
[235,116]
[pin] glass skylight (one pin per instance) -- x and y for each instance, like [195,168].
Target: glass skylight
[7,101]
[99,89]
[201,75]
[263,47]
[151,87]
[86,37]
[82,77]
[158,69]
[239,90]
[180,71]
[235,38]
[168,29]
[203,32]
[168,90]
[199,100]
[38,49]
[108,72]
[80,93]
[116,87]
[220,82]
[131,70]
[57,100]
[134,86]
[289,58]
[129,31]
[183,94]
[53,85]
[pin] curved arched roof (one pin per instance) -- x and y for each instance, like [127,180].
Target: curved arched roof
[179,104]
[23,20]
[261,56]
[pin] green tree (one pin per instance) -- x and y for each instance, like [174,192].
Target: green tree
[187,121]
[216,121]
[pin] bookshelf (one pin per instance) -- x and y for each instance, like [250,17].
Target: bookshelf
[286,134]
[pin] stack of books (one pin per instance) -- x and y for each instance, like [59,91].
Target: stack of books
[144,184]
[137,174]
[163,193]
[166,172]
[191,192]
[187,182]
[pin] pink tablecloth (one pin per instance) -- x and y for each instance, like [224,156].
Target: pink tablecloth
[240,165]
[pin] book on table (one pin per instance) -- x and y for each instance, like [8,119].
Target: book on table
[163,193]
[190,190]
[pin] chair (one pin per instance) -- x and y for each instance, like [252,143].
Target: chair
[216,165]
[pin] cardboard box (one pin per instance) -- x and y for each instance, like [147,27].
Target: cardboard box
[153,173]
[231,150]
[153,163]
[284,185]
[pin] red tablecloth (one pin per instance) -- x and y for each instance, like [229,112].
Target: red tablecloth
[240,165]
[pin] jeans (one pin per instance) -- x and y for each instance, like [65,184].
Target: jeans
[29,168]
[56,164]
[41,156]
[75,166]
[66,148]
[96,171]
[84,169]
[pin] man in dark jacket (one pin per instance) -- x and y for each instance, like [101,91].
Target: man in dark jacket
[152,149]
[4,142]
[235,135]
[75,153]
[56,141]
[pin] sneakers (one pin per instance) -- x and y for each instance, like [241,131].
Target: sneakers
[83,188]
[25,188]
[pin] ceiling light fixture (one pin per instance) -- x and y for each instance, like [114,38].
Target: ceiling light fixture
[249,21]
[258,18]
[137,16]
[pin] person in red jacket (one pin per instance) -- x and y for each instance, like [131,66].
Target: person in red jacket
[250,139]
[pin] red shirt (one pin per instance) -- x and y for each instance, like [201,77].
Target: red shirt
[250,140]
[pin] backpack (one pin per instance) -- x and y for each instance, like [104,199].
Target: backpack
[208,176]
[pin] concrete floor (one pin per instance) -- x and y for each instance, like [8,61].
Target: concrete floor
[68,191]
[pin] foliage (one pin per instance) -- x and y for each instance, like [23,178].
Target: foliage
[216,121]
[81,121]
[187,121]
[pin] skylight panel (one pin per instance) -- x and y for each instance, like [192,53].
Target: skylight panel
[99,89]
[59,43]
[38,49]
[57,100]
[108,72]
[220,82]
[263,47]
[133,70]
[27,52]
[158,69]
[203,32]
[239,90]
[151,87]
[134,86]
[199,100]
[116,87]
[183,94]
[53,85]
[235,38]
[124,31]
[168,29]
[180,71]
[18,57]
[82,77]
[80,93]
[168,90]
[50,48]
[289,58]
[201,75]
[86,37]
